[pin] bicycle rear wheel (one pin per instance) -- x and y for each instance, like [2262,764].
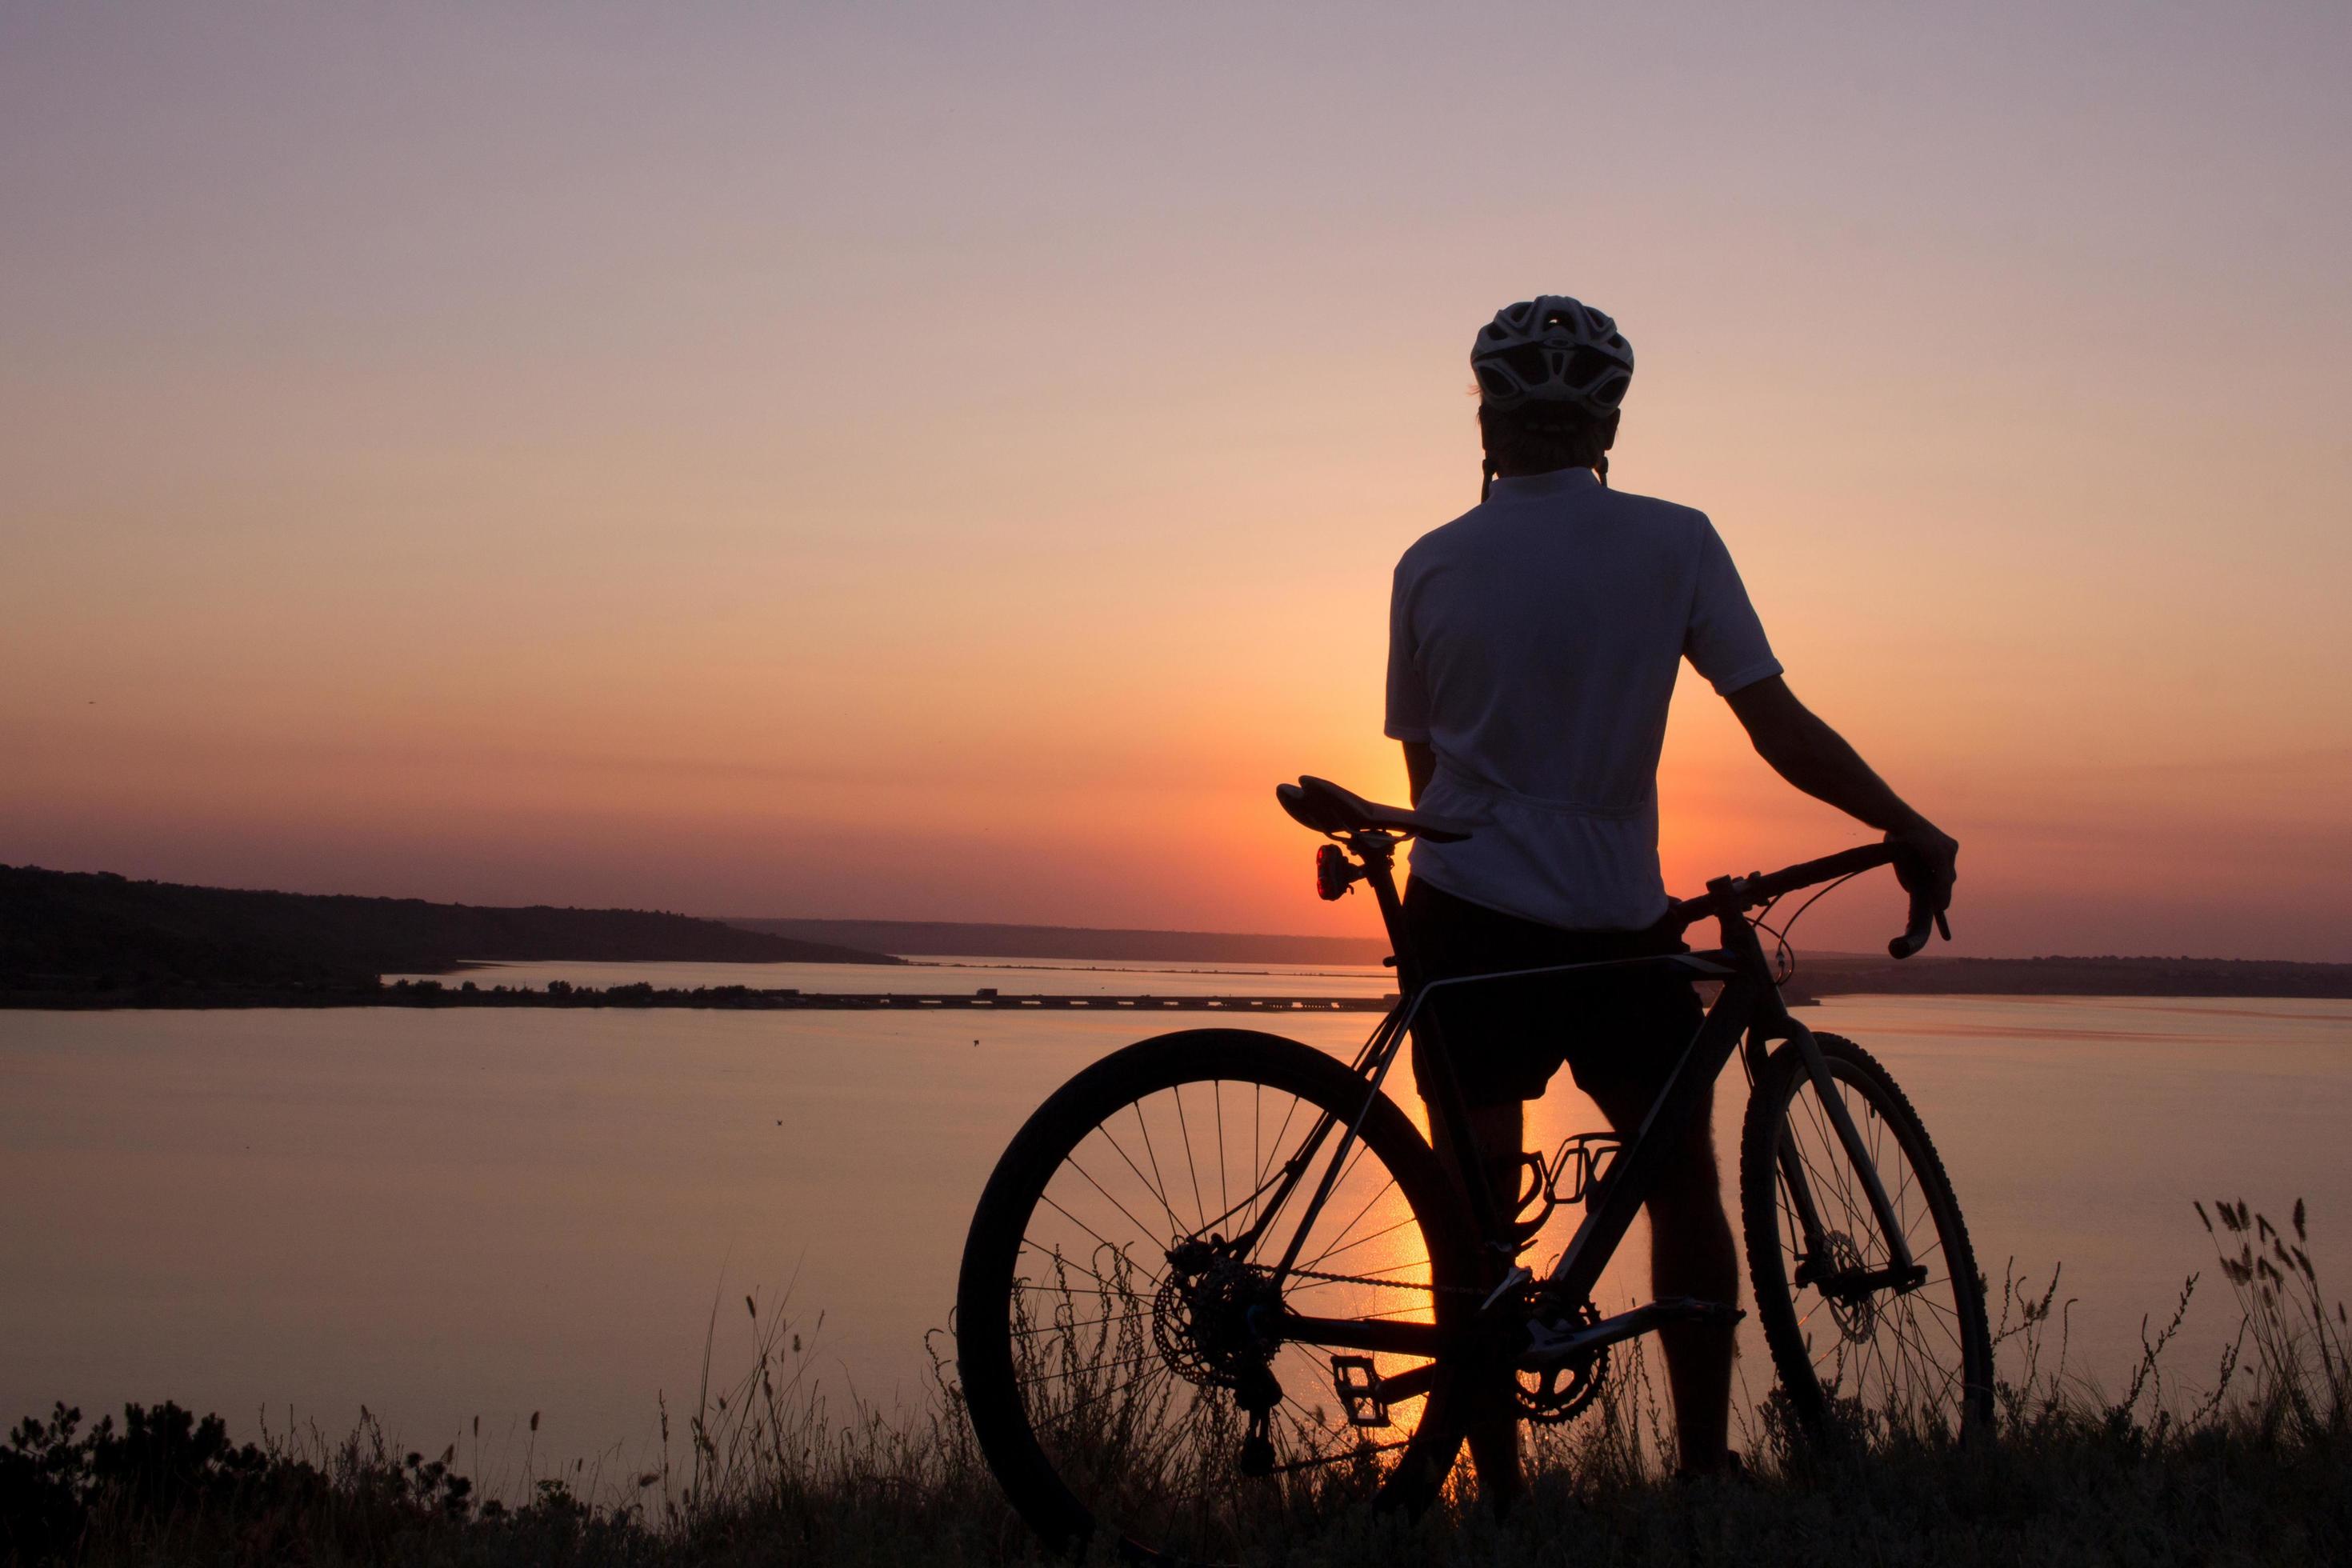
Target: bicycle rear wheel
[1860,1358]
[1112,1336]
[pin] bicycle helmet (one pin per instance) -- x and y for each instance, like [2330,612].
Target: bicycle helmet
[1552,349]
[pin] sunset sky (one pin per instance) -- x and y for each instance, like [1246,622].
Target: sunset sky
[946,462]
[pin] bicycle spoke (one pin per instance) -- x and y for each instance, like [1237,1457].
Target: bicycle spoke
[1148,1375]
[1098,1186]
[1047,1198]
[1093,1368]
[1062,1260]
[1364,1241]
[1190,1164]
[1275,1154]
[1057,1327]
[1386,1188]
[1217,1097]
[1257,1126]
[1175,1228]
[1152,1155]
[1948,1320]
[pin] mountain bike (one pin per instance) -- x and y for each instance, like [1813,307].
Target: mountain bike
[1219,1279]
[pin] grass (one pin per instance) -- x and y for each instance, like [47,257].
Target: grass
[2250,1462]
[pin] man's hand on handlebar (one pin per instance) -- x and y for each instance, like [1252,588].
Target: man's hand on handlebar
[1816,759]
[1927,863]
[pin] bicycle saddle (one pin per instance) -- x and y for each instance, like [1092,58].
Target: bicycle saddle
[1326,807]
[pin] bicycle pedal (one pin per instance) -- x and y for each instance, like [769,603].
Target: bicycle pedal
[1358,1383]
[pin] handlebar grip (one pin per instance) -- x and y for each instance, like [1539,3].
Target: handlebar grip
[1923,925]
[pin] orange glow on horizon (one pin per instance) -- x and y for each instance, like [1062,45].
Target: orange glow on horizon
[596,466]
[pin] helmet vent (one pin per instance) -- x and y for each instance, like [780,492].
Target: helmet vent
[1552,349]
[1587,365]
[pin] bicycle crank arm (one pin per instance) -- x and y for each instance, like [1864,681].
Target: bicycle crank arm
[1550,1348]
[1410,1383]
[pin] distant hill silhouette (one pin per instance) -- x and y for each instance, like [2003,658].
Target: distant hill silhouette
[70,930]
[1858,974]
[1818,974]
[976,940]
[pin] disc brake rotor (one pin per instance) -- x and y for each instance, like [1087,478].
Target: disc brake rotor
[1199,1318]
[1855,1312]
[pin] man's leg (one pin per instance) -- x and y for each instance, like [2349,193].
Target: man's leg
[1691,1254]
[1494,1425]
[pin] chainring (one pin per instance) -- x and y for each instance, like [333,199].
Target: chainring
[1554,1394]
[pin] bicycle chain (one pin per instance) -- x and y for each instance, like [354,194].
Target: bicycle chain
[1382,1284]
[1545,1405]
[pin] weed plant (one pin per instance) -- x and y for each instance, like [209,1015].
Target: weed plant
[2253,1465]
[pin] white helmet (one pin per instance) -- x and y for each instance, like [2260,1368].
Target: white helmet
[1552,349]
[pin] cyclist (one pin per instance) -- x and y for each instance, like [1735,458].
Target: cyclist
[1533,644]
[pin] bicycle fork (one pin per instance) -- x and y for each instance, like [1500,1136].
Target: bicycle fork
[1819,1267]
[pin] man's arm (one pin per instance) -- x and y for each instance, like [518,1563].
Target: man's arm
[1816,759]
[1420,762]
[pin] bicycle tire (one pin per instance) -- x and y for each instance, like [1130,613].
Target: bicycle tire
[1054,1491]
[1938,1381]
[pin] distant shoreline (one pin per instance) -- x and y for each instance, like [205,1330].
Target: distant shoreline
[1818,974]
[85,939]
[2245,978]
[1805,990]
[430,995]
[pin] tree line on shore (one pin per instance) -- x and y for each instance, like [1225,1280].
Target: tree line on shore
[68,932]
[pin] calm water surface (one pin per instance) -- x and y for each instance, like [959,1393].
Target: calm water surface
[447,1215]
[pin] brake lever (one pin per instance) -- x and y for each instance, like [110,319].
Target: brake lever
[1912,941]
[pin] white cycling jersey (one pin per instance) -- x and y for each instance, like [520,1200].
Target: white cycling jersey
[1533,644]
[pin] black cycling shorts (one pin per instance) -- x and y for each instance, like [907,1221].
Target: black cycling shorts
[1614,1028]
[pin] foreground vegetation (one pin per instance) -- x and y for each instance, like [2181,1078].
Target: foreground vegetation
[2254,1467]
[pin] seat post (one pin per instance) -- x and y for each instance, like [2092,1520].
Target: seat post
[1377,851]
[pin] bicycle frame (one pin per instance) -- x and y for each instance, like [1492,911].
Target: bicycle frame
[1748,1015]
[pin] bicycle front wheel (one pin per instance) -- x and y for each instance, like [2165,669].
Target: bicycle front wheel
[1136,1360]
[1862,1354]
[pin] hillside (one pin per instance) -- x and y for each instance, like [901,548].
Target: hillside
[1818,974]
[80,930]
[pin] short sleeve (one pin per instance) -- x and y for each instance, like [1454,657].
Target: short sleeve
[1725,641]
[1408,708]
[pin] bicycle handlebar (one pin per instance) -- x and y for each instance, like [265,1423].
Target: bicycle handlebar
[1753,892]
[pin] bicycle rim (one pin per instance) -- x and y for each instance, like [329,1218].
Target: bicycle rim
[1870,1364]
[1107,1368]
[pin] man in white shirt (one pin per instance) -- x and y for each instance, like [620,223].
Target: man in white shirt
[1533,645]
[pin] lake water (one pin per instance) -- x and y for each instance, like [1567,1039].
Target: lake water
[445,1215]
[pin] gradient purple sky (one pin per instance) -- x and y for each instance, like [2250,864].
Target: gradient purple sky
[945,462]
